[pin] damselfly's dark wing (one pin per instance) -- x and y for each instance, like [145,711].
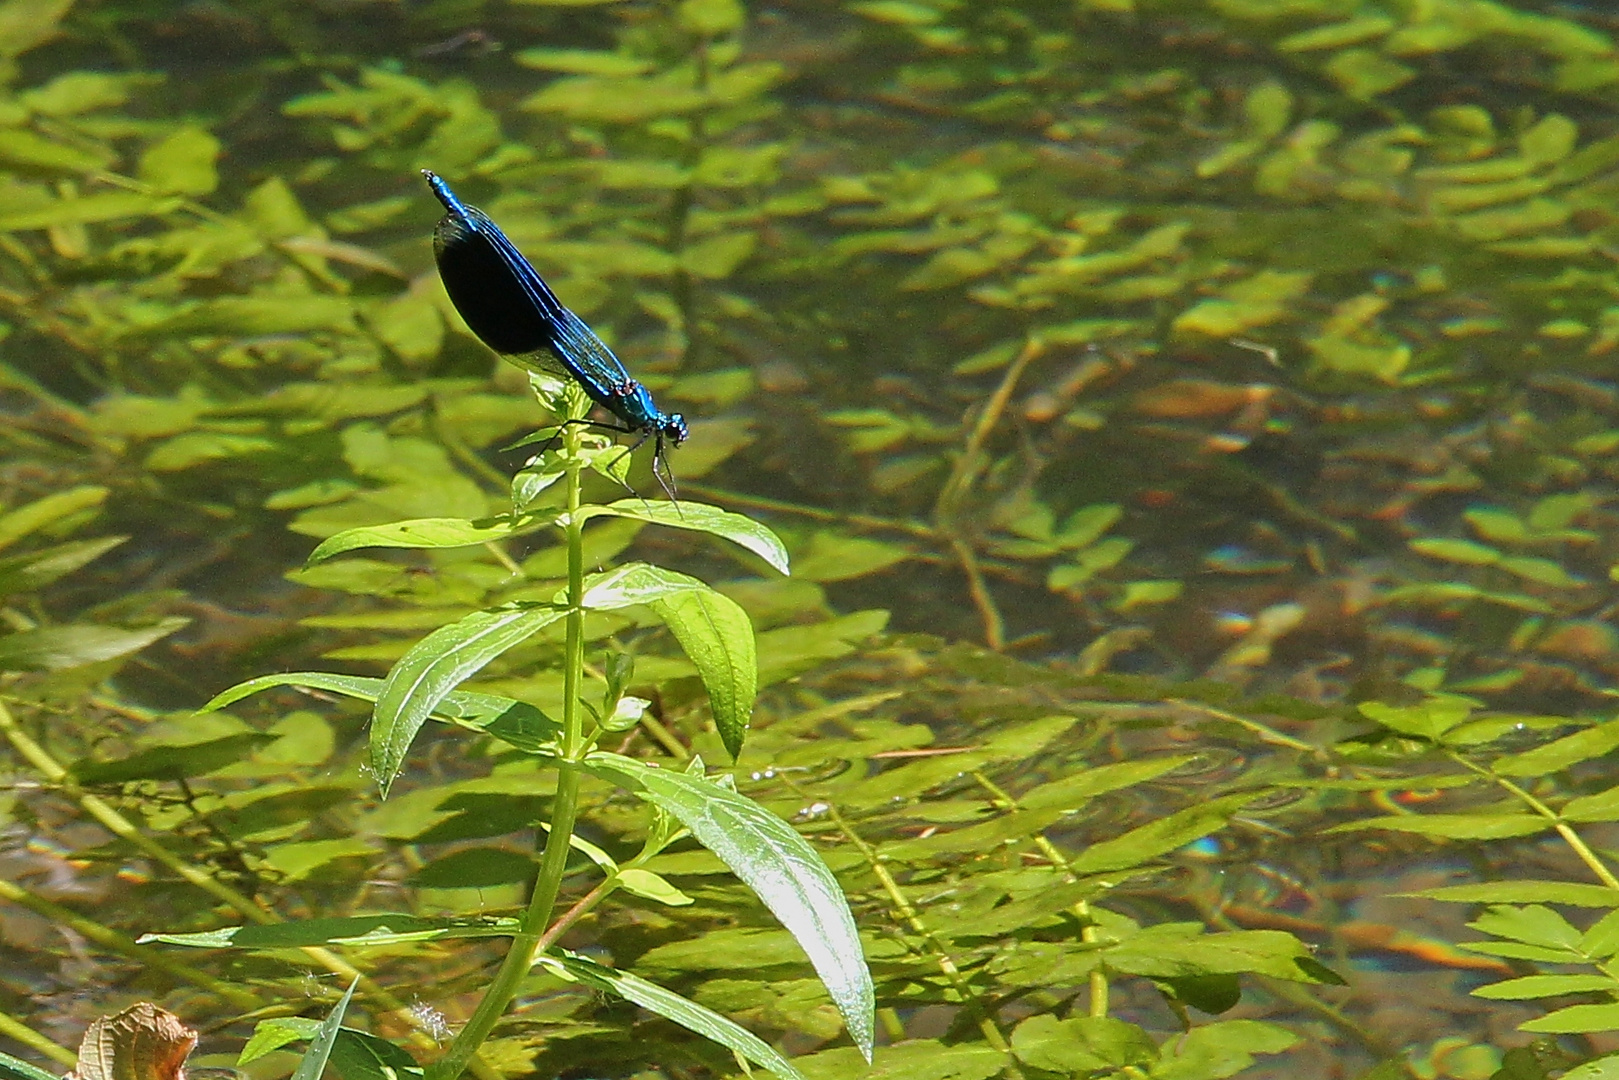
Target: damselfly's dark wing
[511,308]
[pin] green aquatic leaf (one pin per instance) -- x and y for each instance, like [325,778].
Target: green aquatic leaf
[1549,140]
[778,865]
[36,569]
[173,762]
[433,668]
[1576,1020]
[1541,571]
[1573,894]
[476,868]
[79,92]
[1602,939]
[57,648]
[1427,720]
[1465,552]
[1081,1044]
[669,1005]
[83,209]
[27,24]
[1141,845]
[1454,826]
[1337,35]
[716,257]
[182,164]
[193,448]
[583,62]
[898,12]
[1603,806]
[1529,987]
[913,1059]
[50,511]
[833,556]
[300,860]
[1533,216]
[1602,1068]
[1364,73]
[30,150]
[710,17]
[1073,791]
[1588,744]
[1222,1049]
[255,315]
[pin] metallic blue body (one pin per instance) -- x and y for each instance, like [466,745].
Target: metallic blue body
[513,311]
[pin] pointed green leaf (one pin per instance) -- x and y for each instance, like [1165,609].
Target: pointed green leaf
[357,930]
[41,513]
[182,164]
[777,864]
[1603,1068]
[701,517]
[36,569]
[717,636]
[1454,826]
[1532,924]
[1427,720]
[1466,552]
[54,648]
[1573,894]
[1602,939]
[1585,745]
[173,762]
[313,1063]
[714,631]
[518,722]
[1539,986]
[417,533]
[671,1006]
[1576,1020]
[433,668]
[1603,806]
[1139,846]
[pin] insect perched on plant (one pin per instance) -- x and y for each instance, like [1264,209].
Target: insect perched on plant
[514,312]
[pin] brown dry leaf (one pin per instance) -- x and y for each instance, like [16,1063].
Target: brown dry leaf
[143,1042]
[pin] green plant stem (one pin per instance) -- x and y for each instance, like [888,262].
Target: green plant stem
[1570,837]
[113,941]
[947,966]
[1088,933]
[120,826]
[531,935]
[953,496]
[20,1032]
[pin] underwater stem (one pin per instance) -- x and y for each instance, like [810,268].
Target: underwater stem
[1570,837]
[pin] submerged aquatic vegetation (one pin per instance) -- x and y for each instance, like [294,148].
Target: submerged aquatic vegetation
[1235,363]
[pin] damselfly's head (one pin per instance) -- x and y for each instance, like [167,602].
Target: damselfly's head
[673,428]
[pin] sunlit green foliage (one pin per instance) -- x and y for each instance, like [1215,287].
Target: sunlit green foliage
[1261,343]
